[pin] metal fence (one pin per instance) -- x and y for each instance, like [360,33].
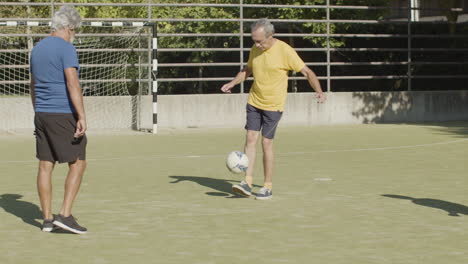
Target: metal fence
[413,57]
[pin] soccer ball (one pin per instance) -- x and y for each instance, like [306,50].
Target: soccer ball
[237,162]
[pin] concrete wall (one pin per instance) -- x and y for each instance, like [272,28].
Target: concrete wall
[228,110]
[222,110]
[114,112]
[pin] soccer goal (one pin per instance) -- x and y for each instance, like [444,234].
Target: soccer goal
[118,69]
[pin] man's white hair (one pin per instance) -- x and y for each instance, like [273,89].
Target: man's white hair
[265,24]
[66,17]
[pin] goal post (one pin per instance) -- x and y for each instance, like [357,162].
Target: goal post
[118,69]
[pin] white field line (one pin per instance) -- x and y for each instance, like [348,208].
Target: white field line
[279,153]
[381,148]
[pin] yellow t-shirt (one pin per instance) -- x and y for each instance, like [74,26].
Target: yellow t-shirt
[270,72]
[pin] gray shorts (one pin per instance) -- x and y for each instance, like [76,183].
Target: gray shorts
[54,138]
[258,119]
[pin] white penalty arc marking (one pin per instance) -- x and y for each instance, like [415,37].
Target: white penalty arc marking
[279,154]
[323,179]
[375,149]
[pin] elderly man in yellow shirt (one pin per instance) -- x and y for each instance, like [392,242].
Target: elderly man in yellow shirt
[270,60]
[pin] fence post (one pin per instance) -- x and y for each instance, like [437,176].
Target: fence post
[328,48]
[149,10]
[241,40]
[410,11]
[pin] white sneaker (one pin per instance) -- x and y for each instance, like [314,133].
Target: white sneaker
[264,194]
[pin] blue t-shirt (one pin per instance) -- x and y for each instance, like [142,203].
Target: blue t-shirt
[49,58]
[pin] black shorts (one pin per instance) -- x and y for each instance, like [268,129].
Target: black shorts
[55,138]
[258,119]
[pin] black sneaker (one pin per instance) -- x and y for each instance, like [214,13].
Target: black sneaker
[69,223]
[48,225]
[242,189]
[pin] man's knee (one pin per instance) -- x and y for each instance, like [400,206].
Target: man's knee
[252,137]
[267,142]
[78,163]
[46,166]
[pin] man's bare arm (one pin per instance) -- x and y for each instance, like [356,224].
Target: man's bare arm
[240,77]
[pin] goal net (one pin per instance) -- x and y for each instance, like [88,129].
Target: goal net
[115,74]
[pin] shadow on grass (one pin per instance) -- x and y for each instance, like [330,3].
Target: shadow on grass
[26,211]
[453,209]
[223,188]
[459,129]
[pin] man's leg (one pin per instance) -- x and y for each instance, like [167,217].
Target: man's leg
[268,161]
[65,219]
[271,120]
[245,187]
[265,192]
[44,187]
[72,185]
[251,152]
[252,126]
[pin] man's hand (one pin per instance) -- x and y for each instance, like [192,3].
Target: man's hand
[321,97]
[240,77]
[227,88]
[80,128]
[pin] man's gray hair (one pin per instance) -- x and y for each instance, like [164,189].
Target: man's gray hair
[65,17]
[265,24]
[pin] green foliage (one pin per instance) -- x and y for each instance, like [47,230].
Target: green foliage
[194,42]
[290,14]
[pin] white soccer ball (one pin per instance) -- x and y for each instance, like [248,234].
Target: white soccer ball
[237,162]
